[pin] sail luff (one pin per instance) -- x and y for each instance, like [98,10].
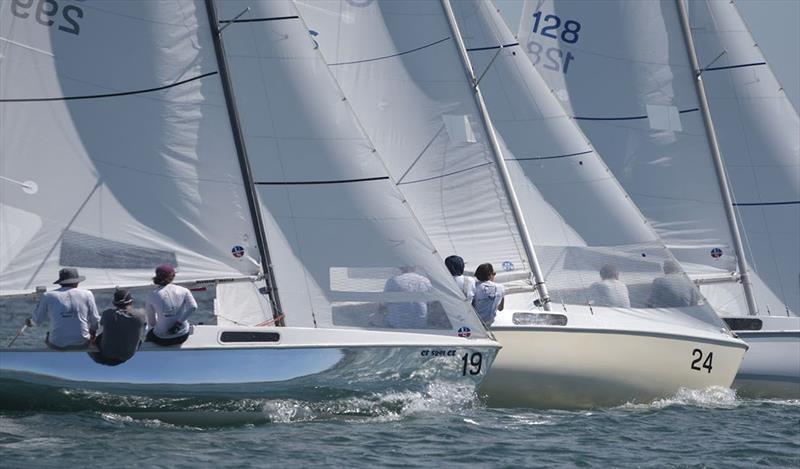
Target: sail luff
[498,155]
[719,166]
[244,163]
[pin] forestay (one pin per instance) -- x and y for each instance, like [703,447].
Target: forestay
[622,71]
[546,150]
[399,67]
[115,146]
[759,134]
[347,250]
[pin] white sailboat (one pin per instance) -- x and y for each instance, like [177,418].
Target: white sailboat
[122,147]
[652,127]
[402,68]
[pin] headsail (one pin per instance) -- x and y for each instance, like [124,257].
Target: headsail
[759,134]
[340,233]
[115,148]
[629,84]
[400,69]
[546,150]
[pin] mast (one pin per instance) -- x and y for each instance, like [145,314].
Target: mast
[501,164]
[719,166]
[244,162]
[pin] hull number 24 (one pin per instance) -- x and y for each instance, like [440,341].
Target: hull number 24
[697,354]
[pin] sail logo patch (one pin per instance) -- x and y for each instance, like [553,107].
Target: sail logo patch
[464,332]
[508,266]
[237,251]
[716,253]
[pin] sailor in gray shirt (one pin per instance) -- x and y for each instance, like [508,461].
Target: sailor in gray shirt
[674,289]
[71,310]
[123,328]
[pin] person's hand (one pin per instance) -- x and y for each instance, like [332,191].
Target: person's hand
[29,322]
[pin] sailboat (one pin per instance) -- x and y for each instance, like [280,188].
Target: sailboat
[136,133]
[546,226]
[697,129]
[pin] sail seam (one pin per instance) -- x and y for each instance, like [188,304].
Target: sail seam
[629,118]
[392,55]
[339,181]
[475,49]
[259,20]
[108,95]
[728,67]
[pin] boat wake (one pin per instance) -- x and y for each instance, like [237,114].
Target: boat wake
[151,411]
[714,397]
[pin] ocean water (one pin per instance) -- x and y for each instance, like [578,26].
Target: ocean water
[437,427]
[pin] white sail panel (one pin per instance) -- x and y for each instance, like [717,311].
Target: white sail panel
[759,135]
[400,69]
[116,153]
[626,79]
[621,69]
[547,150]
[340,233]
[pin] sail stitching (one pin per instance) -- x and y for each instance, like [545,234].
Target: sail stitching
[108,95]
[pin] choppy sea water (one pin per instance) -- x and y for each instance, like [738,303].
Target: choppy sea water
[441,426]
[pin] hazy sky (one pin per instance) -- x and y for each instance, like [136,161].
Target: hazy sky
[775,25]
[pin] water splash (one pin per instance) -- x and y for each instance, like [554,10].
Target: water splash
[714,397]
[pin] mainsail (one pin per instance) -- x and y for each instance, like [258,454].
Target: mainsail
[113,158]
[340,233]
[759,135]
[622,71]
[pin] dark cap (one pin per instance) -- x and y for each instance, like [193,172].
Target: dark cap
[163,272]
[455,264]
[69,276]
[122,298]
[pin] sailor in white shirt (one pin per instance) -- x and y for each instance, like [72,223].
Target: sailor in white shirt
[455,264]
[489,296]
[408,314]
[167,308]
[609,291]
[71,310]
[674,290]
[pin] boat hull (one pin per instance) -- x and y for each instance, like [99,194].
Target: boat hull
[771,368]
[304,360]
[584,365]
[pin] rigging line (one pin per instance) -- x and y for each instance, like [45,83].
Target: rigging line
[626,118]
[340,181]
[757,204]
[448,174]
[534,158]
[400,180]
[728,67]
[392,55]
[259,20]
[109,95]
[475,49]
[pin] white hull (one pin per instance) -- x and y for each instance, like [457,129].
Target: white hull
[771,367]
[604,357]
[301,359]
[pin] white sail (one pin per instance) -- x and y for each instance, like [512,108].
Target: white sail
[399,68]
[625,77]
[547,150]
[340,233]
[759,135]
[116,153]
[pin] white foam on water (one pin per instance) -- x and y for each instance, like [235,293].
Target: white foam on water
[714,397]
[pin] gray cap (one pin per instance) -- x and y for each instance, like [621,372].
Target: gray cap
[69,276]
